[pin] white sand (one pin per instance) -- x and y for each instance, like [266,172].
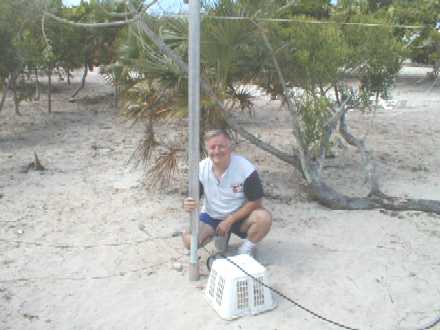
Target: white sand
[72,255]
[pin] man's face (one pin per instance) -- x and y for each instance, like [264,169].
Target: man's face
[219,150]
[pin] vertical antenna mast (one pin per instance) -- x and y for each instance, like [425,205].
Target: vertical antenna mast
[194,129]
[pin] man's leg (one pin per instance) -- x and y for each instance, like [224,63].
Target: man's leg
[206,232]
[257,225]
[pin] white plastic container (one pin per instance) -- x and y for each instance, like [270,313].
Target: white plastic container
[232,293]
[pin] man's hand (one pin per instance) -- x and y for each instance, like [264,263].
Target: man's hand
[224,227]
[189,204]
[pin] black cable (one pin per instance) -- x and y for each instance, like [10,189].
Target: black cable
[287,298]
[431,325]
[215,256]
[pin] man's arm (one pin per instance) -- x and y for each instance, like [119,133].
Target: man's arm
[243,212]
[246,210]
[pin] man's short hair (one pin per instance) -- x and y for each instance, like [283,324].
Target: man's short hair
[216,132]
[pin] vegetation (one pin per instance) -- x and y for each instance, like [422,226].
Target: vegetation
[304,59]
[424,44]
[33,44]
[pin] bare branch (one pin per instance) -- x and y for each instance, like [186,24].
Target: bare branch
[330,198]
[290,105]
[6,86]
[434,84]
[290,159]
[369,167]
[329,127]
[142,26]
[338,113]
[43,29]
[136,12]
[92,25]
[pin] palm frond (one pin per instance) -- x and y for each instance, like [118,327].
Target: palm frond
[145,148]
[243,97]
[164,168]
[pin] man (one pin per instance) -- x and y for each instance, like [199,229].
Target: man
[232,196]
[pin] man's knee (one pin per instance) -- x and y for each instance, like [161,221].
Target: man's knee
[205,235]
[262,218]
[186,239]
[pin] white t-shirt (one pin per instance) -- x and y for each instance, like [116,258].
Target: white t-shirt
[225,195]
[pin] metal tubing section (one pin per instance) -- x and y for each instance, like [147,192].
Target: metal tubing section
[194,129]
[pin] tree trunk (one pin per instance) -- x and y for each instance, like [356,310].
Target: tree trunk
[332,199]
[14,77]
[83,80]
[60,74]
[116,95]
[337,94]
[49,90]
[68,76]
[37,85]
[6,84]
[321,90]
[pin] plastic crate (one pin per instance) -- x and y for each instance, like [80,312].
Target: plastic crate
[232,293]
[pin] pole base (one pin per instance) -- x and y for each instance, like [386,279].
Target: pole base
[194,273]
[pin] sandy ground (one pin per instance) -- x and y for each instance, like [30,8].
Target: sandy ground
[87,245]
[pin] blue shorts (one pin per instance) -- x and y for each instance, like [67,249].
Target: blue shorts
[206,218]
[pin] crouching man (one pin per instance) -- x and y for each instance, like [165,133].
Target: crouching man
[232,196]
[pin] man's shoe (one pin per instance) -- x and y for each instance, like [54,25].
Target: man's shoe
[246,249]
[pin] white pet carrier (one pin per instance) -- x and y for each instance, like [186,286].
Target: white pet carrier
[232,293]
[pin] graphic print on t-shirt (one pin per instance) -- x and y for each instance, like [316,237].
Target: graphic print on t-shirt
[237,187]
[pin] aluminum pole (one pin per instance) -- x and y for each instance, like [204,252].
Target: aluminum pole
[194,129]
